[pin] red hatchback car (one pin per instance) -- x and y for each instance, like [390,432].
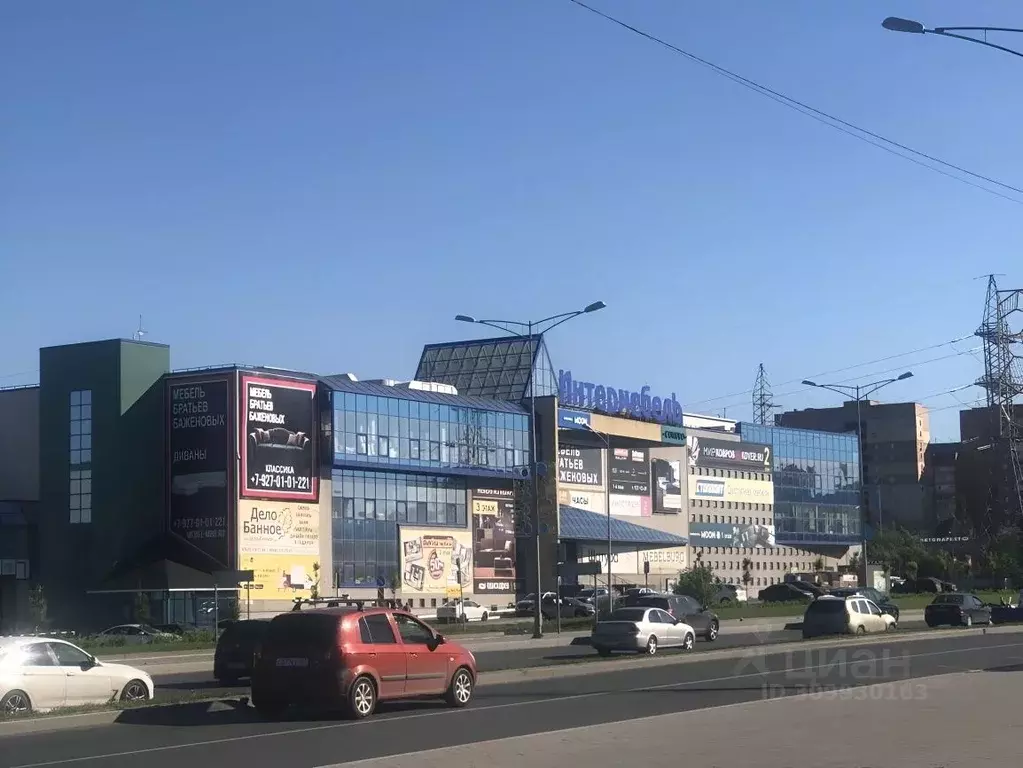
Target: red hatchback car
[351,658]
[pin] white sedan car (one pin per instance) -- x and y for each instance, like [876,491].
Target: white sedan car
[462,610]
[38,674]
[641,630]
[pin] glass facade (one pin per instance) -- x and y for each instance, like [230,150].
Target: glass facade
[395,432]
[367,508]
[816,484]
[505,368]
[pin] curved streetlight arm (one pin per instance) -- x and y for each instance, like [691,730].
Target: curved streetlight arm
[840,389]
[944,33]
[895,24]
[872,388]
[497,324]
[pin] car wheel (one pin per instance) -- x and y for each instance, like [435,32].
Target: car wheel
[688,642]
[712,631]
[15,703]
[892,627]
[484,617]
[861,630]
[968,621]
[268,707]
[459,693]
[362,697]
[605,652]
[651,646]
[135,691]
[726,600]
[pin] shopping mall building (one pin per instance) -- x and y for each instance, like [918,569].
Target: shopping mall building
[124,482]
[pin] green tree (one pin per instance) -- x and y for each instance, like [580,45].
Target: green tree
[140,608]
[912,570]
[818,565]
[698,582]
[314,585]
[747,574]
[394,583]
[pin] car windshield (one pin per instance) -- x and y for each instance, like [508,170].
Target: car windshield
[948,600]
[628,614]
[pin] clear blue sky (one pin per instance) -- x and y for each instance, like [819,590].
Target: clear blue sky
[323,185]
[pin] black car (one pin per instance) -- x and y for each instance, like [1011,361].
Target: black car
[784,593]
[957,609]
[570,608]
[683,608]
[876,596]
[236,649]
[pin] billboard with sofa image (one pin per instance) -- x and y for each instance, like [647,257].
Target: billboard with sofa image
[432,561]
[493,541]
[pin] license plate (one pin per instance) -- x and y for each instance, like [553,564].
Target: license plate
[292,662]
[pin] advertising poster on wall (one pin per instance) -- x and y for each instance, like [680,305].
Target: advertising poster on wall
[430,559]
[281,577]
[707,452]
[589,500]
[278,440]
[732,489]
[665,561]
[728,535]
[629,482]
[667,474]
[580,466]
[493,541]
[199,452]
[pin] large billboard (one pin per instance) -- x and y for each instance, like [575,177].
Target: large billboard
[629,481]
[728,535]
[280,541]
[667,476]
[731,489]
[707,452]
[493,537]
[580,466]
[432,561]
[278,440]
[199,454]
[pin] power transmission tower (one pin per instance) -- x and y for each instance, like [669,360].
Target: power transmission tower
[1003,382]
[763,398]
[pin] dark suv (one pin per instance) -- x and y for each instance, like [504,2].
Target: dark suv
[683,608]
[236,650]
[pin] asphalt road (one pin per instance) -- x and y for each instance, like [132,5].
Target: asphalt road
[615,691]
[492,661]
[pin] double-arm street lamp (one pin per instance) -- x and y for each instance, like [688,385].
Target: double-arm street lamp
[531,328]
[895,24]
[859,393]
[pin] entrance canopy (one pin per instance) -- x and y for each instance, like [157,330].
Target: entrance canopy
[582,525]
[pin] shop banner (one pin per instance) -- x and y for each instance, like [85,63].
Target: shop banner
[281,577]
[493,533]
[731,489]
[590,500]
[199,451]
[728,535]
[629,469]
[667,476]
[279,439]
[663,561]
[621,562]
[573,419]
[428,561]
[278,528]
[630,506]
[580,466]
[707,452]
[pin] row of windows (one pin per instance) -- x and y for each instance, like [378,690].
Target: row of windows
[758,581]
[799,444]
[770,565]
[747,505]
[734,473]
[733,519]
[80,456]
[780,551]
[413,409]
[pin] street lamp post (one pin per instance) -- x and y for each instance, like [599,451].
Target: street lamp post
[895,24]
[607,503]
[859,392]
[539,327]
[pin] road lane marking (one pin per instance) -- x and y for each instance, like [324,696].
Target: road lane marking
[437,713]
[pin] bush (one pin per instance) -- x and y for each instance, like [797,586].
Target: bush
[699,583]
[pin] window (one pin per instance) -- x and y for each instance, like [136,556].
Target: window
[69,656]
[376,630]
[81,427]
[36,655]
[412,632]
[80,496]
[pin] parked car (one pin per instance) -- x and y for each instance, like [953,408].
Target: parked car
[784,592]
[704,622]
[236,650]
[354,657]
[957,609]
[462,611]
[641,629]
[840,615]
[38,674]
[729,594]
[588,595]
[879,598]
[809,587]
[136,634]
[570,608]
[527,605]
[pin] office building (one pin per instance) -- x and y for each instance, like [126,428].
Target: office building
[895,439]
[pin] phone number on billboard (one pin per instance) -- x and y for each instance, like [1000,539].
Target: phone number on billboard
[191,523]
[280,482]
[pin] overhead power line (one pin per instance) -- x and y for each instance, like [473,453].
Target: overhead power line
[924,160]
